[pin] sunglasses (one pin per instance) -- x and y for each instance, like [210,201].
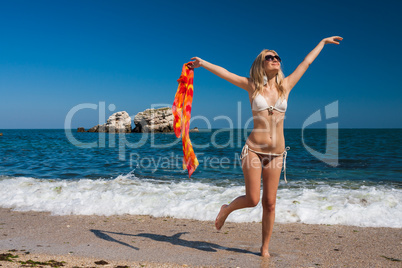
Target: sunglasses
[271,58]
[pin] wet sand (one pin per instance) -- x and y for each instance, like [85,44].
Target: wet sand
[144,241]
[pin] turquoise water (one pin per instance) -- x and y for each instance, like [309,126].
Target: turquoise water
[138,168]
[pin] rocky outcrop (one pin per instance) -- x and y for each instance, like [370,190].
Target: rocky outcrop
[150,120]
[94,129]
[154,120]
[119,122]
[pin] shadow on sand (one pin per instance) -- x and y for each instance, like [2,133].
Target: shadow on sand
[174,240]
[104,236]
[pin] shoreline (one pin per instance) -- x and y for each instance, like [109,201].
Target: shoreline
[134,241]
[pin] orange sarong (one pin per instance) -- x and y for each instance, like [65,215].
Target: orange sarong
[182,114]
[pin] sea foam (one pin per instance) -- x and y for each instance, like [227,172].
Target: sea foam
[367,206]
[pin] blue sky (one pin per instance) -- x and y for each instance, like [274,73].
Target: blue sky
[55,55]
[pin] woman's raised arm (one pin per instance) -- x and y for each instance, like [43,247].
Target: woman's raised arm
[242,82]
[292,79]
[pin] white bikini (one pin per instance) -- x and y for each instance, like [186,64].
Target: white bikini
[259,104]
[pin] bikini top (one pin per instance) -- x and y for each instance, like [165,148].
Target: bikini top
[260,104]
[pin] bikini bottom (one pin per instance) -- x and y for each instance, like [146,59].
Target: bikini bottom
[244,153]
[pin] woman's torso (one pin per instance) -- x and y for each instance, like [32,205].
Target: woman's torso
[268,117]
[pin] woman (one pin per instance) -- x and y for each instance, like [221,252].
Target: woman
[263,153]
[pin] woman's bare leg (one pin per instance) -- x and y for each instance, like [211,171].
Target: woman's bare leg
[251,165]
[271,174]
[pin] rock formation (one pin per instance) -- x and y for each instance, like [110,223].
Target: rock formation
[154,120]
[119,122]
[150,120]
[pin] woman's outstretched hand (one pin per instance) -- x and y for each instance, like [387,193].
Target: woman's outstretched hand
[196,63]
[332,40]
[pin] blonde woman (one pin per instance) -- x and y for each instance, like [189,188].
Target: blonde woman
[263,153]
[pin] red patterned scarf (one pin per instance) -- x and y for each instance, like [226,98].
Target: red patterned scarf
[182,113]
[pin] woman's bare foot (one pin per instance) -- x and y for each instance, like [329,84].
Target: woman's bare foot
[265,253]
[221,218]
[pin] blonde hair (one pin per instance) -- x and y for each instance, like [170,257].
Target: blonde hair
[257,74]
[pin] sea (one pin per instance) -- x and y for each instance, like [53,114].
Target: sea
[65,172]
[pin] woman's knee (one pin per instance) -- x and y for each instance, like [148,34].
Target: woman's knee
[268,205]
[252,201]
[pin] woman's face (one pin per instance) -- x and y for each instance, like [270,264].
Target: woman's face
[271,63]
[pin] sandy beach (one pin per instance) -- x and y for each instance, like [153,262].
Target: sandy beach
[143,241]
